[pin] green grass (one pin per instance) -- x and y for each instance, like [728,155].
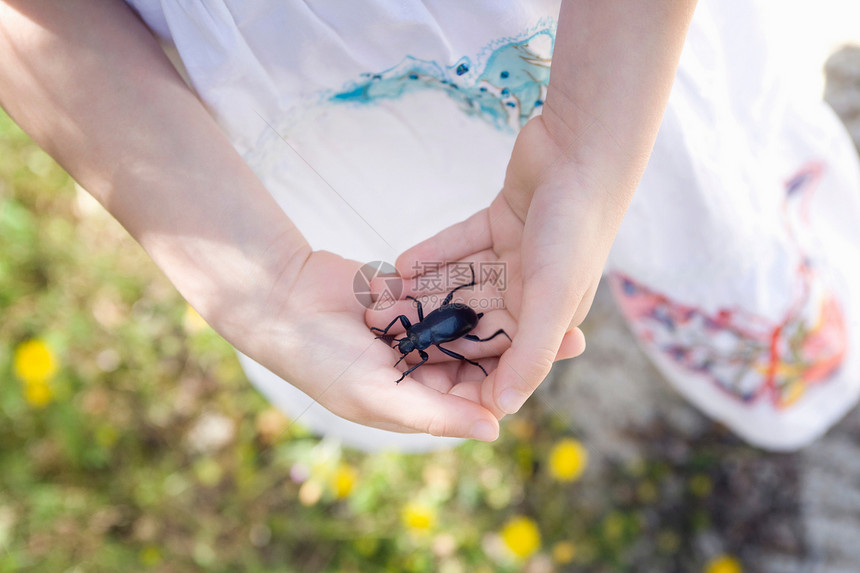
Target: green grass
[104,477]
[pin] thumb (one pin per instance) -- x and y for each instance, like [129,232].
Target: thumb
[412,406]
[543,322]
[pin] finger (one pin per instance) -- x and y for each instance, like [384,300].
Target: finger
[455,369]
[439,277]
[572,345]
[470,390]
[583,308]
[456,372]
[444,376]
[456,242]
[414,407]
[441,377]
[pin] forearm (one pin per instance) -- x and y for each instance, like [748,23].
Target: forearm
[89,83]
[613,67]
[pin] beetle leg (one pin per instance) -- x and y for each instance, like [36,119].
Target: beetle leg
[453,354]
[420,308]
[402,318]
[476,339]
[424,358]
[451,294]
[402,356]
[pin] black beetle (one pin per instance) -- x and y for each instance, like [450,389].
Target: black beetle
[448,322]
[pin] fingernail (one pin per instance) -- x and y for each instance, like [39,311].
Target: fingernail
[511,401]
[484,431]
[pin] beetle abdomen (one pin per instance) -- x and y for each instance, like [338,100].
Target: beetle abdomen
[445,324]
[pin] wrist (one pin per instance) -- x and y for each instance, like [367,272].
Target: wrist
[548,158]
[238,285]
[612,72]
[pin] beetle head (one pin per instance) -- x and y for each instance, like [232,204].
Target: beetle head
[405,346]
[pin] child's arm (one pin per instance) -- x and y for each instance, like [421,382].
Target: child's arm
[570,179]
[90,84]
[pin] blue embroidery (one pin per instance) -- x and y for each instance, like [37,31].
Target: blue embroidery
[507,92]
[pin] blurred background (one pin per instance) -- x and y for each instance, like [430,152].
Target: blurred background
[130,439]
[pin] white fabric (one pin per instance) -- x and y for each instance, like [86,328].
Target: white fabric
[377,124]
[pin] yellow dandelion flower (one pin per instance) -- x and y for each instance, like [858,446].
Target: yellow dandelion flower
[38,394]
[567,460]
[521,536]
[343,480]
[34,361]
[563,552]
[418,516]
[723,564]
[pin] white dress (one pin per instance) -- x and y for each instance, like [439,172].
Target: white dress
[377,124]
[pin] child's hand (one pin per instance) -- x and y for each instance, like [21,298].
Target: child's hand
[553,229]
[317,339]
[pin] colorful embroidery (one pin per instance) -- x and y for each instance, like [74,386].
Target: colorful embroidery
[748,356]
[507,90]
